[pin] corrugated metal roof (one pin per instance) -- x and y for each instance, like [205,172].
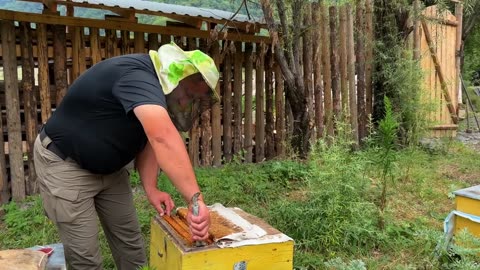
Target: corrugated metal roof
[173,9]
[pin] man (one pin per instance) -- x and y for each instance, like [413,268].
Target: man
[124,108]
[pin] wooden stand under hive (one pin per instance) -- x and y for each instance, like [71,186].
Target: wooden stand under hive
[171,246]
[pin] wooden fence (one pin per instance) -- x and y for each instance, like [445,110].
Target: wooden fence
[252,122]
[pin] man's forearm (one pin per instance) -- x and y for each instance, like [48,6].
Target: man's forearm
[147,168]
[174,161]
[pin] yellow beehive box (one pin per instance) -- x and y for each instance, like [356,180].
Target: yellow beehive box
[468,201]
[168,250]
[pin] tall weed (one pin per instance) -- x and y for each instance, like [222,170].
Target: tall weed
[334,214]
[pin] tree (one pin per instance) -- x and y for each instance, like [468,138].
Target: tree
[470,35]
[287,55]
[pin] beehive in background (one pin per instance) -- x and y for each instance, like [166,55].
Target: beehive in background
[468,201]
[172,249]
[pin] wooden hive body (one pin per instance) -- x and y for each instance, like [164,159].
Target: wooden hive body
[468,201]
[169,250]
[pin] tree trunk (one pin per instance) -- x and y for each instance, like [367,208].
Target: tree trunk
[294,82]
[337,109]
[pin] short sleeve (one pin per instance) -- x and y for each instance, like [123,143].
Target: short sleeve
[138,87]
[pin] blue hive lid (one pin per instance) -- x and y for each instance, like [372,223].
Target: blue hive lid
[471,192]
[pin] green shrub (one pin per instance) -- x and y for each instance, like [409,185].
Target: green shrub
[334,214]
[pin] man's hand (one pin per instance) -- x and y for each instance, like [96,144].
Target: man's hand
[200,224]
[161,201]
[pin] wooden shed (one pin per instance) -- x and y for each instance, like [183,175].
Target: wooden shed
[45,49]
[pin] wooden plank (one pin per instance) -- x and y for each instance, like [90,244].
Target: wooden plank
[5,193]
[248,127]
[122,25]
[194,138]
[29,104]
[327,72]
[280,140]
[227,106]
[343,60]
[110,43]
[95,47]
[60,61]
[75,53]
[308,62]
[259,103]
[438,69]
[13,110]
[269,120]
[43,78]
[165,39]
[337,109]
[369,39]
[216,114]
[351,75]
[153,41]
[237,98]
[82,64]
[458,47]
[139,38]
[125,42]
[206,139]
[362,114]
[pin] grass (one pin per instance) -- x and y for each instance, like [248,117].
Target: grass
[328,204]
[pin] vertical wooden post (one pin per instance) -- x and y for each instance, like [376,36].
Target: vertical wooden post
[280,139]
[153,41]
[269,120]
[317,70]
[60,61]
[362,116]
[343,60]
[95,46]
[139,38]
[14,128]
[458,48]
[125,42]
[110,43]
[216,114]
[259,103]
[29,102]
[248,127]
[165,39]
[237,98]
[4,187]
[194,140]
[43,78]
[334,64]
[369,58]
[227,104]
[327,72]
[205,137]
[308,60]
[82,57]
[351,75]
[75,52]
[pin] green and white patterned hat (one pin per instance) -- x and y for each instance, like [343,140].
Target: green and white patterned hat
[172,64]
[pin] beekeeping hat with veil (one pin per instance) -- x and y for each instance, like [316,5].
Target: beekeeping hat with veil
[172,65]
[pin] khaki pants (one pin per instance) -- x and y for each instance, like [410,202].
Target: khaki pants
[73,197]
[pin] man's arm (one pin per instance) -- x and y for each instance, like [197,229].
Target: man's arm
[147,166]
[173,159]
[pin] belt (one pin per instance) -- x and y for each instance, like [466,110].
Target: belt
[51,146]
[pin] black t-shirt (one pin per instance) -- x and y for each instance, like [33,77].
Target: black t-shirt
[95,124]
